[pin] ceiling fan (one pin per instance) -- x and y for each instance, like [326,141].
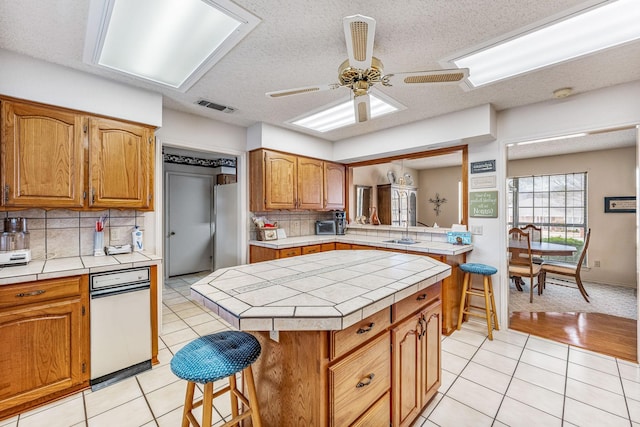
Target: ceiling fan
[362,70]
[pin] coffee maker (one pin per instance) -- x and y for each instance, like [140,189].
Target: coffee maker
[341,221]
[14,242]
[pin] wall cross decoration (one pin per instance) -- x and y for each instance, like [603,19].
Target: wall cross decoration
[437,202]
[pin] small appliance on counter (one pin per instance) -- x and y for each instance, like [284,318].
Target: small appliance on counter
[326,227]
[341,221]
[14,242]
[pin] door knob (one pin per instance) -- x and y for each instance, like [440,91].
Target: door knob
[172,233]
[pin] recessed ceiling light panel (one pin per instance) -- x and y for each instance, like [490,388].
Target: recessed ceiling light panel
[595,26]
[169,42]
[341,114]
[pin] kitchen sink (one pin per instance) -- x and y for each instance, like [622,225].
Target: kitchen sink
[402,241]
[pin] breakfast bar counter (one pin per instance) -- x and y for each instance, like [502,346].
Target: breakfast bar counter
[348,337]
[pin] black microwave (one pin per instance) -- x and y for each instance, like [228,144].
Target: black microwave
[325,227]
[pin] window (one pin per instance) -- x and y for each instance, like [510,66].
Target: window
[555,203]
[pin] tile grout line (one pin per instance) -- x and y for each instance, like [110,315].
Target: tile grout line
[624,394]
[566,378]
[504,395]
[146,400]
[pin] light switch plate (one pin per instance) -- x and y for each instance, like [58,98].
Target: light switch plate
[476,229]
[114,233]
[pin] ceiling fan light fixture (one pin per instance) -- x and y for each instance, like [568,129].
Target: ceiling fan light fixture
[581,31]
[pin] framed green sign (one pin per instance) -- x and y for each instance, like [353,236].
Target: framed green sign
[483,204]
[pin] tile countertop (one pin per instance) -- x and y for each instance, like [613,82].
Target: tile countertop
[426,246]
[72,266]
[322,291]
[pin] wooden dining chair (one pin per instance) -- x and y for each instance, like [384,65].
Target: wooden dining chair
[569,269]
[521,261]
[535,235]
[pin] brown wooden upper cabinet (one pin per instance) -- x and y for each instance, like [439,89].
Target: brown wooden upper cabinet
[286,181]
[121,164]
[334,179]
[58,158]
[42,156]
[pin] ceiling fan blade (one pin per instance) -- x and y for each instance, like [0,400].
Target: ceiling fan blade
[454,75]
[359,32]
[301,90]
[362,108]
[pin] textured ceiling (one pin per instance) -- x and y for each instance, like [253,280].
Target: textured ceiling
[301,43]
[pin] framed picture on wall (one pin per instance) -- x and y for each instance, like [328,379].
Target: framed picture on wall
[620,204]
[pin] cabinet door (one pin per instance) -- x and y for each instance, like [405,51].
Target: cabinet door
[310,183]
[121,165]
[406,371]
[430,351]
[334,177]
[280,176]
[42,162]
[41,351]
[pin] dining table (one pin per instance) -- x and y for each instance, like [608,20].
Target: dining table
[544,248]
[552,249]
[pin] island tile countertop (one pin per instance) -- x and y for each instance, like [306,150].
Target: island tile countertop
[72,266]
[322,291]
[423,245]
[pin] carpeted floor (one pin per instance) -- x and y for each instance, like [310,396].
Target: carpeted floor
[562,296]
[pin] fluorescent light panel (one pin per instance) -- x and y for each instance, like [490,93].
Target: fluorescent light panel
[594,29]
[553,138]
[342,115]
[168,41]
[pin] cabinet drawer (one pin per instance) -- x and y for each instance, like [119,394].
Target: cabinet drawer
[342,246]
[359,380]
[42,290]
[311,249]
[413,303]
[286,253]
[355,335]
[378,415]
[328,247]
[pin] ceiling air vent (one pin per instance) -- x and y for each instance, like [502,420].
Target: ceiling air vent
[214,106]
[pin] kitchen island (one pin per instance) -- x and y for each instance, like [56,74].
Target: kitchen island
[348,337]
[429,242]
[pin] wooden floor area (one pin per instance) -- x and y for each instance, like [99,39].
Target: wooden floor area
[602,333]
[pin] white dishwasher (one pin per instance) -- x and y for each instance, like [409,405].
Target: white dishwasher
[120,325]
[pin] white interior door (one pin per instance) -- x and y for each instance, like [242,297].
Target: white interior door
[190,236]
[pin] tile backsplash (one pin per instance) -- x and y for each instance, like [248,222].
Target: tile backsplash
[60,233]
[294,223]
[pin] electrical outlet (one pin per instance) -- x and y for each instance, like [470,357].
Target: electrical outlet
[596,263]
[114,233]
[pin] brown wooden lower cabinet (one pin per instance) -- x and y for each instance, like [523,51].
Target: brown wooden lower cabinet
[44,330]
[366,375]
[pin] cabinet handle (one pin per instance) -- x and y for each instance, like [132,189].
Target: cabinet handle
[424,326]
[421,297]
[366,381]
[6,194]
[421,328]
[365,330]
[31,294]
[93,196]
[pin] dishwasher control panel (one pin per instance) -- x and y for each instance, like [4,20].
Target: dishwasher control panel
[119,278]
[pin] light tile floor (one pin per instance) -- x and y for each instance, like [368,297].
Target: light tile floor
[514,380]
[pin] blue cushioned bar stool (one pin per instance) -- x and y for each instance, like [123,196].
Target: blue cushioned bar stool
[214,357]
[486,271]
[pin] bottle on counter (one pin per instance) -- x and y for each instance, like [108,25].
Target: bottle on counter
[136,237]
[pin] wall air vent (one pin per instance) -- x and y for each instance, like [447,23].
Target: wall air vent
[214,106]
